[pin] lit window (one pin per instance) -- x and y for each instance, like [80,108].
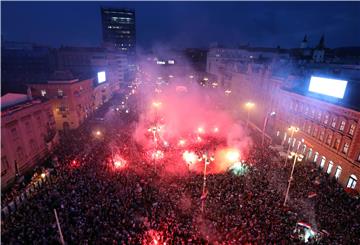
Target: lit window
[352,182]
[322,163]
[352,129]
[326,120]
[333,123]
[316,156]
[346,148]
[319,115]
[60,92]
[358,159]
[309,129]
[342,125]
[329,138]
[43,92]
[312,113]
[328,171]
[315,131]
[337,144]
[337,172]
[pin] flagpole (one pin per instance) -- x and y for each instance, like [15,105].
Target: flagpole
[59,228]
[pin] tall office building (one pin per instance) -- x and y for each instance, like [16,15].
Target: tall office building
[119,30]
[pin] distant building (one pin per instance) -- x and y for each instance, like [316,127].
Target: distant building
[23,63]
[88,61]
[119,29]
[28,134]
[71,99]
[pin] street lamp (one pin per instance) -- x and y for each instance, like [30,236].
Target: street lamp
[207,161]
[293,130]
[297,157]
[273,113]
[248,105]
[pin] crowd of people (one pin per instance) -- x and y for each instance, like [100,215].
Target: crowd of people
[137,205]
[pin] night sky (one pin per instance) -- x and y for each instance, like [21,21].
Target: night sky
[187,24]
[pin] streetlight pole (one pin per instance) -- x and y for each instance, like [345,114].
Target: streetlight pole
[248,106]
[264,126]
[293,130]
[296,157]
[207,160]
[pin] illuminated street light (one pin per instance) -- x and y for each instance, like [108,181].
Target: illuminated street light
[249,106]
[293,130]
[297,157]
[156,104]
[271,114]
[98,133]
[207,159]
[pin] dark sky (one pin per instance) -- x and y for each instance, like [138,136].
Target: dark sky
[187,24]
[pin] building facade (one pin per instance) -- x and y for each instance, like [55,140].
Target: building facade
[28,134]
[328,134]
[72,101]
[119,29]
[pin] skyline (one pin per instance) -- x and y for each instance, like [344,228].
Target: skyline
[187,24]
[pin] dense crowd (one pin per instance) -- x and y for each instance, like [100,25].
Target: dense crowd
[97,205]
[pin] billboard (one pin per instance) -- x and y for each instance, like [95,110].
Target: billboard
[101,76]
[327,86]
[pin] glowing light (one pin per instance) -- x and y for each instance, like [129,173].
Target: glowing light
[327,86]
[249,105]
[191,76]
[119,162]
[198,138]
[228,91]
[127,111]
[182,142]
[201,130]
[239,168]
[206,79]
[171,76]
[166,143]
[43,175]
[156,104]
[216,129]
[190,157]
[98,133]
[158,154]
[233,155]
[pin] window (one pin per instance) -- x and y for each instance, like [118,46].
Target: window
[337,172]
[43,92]
[322,135]
[352,129]
[20,154]
[33,145]
[358,159]
[352,182]
[329,138]
[309,153]
[312,113]
[319,116]
[322,163]
[304,149]
[60,92]
[346,148]
[342,125]
[316,156]
[14,133]
[306,110]
[4,163]
[326,120]
[337,144]
[315,131]
[328,171]
[309,129]
[333,123]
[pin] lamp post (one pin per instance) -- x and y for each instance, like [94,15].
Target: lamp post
[265,123]
[297,157]
[293,130]
[248,105]
[207,161]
